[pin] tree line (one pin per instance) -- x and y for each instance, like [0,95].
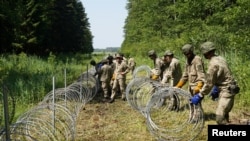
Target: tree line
[169,24]
[39,27]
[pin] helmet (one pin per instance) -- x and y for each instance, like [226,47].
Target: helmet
[207,47]
[119,56]
[187,48]
[151,52]
[168,53]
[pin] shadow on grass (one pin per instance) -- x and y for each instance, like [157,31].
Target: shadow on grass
[209,116]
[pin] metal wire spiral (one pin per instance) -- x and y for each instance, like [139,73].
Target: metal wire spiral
[168,111]
[54,118]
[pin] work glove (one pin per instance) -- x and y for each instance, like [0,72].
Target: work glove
[196,99]
[155,77]
[214,93]
[113,77]
[198,87]
[180,84]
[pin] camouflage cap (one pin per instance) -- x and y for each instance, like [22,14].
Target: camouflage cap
[168,53]
[207,47]
[151,52]
[187,48]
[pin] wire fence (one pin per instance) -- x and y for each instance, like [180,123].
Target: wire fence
[168,111]
[54,118]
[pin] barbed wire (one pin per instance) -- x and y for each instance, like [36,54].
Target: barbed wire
[168,111]
[54,118]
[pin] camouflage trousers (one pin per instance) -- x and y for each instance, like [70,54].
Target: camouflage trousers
[118,83]
[225,105]
[106,88]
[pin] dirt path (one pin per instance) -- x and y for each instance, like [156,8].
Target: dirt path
[100,121]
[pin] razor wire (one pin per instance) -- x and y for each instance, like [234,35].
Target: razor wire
[168,111]
[54,118]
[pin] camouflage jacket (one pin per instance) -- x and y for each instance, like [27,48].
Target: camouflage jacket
[119,69]
[194,72]
[172,73]
[106,73]
[218,74]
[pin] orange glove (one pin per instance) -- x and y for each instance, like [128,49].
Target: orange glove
[198,87]
[154,77]
[113,77]
[180,84]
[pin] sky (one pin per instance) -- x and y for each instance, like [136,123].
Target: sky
[106,19]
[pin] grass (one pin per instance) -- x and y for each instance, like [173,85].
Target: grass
[30,80]
[118,121]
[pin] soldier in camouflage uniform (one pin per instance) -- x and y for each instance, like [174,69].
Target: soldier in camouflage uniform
[194,74]
[106,74]
[131,64]
[121,69]
[157,71]
[172,74]
[218,74]
[111,63]
[194,71]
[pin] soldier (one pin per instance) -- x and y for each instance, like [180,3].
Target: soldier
[111,63]
[121,69]
[131,64]
[106,74]
[156,72]
[194,74]
[173,72]
[171,75]
[124,59]
[219,75]
[194,71]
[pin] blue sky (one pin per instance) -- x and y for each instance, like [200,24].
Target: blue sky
[107,19]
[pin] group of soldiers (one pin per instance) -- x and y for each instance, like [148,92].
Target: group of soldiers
[111,73]
[217,80]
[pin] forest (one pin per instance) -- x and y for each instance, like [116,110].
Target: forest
[169,24]
[38,27]
[45,39]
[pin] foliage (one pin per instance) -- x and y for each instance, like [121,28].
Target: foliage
[29,78]
[43,26]
[162,25]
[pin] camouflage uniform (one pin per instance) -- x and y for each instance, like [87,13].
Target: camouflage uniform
[171,76]
[131,64]
[173,72]
[194,74]
[111,63]
[157,71]
[106,74]
[193,71]
[219,74]
[121,69]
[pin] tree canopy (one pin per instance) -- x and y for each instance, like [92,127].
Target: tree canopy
[169,24]
[43,26]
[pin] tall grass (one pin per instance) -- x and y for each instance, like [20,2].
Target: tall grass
[29,78]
